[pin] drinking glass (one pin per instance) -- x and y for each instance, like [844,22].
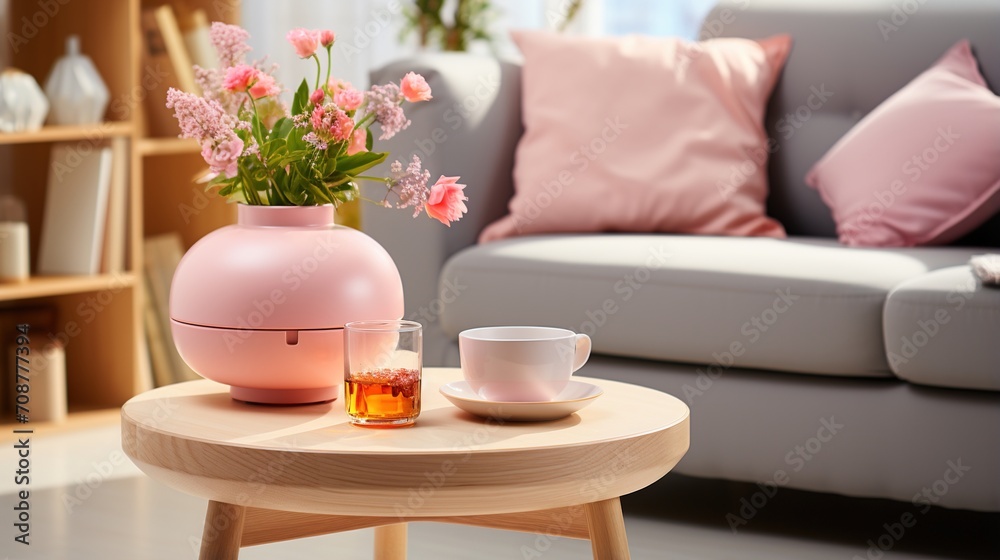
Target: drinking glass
[382,369]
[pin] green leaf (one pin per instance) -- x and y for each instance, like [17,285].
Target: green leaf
[301,99]
[368,139]
[281,128]
[358,163]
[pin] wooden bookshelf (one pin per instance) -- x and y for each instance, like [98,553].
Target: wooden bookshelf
[50,286]
[105,357]
[167,146]
[50,133]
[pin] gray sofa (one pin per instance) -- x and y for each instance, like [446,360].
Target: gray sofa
[863,372]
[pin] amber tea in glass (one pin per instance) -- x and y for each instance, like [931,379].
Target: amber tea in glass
[382,369]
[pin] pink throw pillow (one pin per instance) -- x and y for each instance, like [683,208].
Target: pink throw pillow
[923,168]
[643,134]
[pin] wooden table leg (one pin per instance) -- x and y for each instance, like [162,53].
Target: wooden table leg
[390,542]
[222,533]
[607,530]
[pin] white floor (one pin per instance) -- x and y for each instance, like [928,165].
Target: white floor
[89,502]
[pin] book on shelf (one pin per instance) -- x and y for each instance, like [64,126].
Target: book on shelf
[197,39]
[113,254]
[177,51]
[159,359]
[166,65]
[76,205]
[162,254]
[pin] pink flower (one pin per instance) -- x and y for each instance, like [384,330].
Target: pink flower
[202,119]
[317,96]
[336,84]
[410,184]
[446,202]
[230,42]
[265,86]
[317,117]
[330,122]
[384,102]
[240,77]
[222,157]
[341,126]
[357,145]
[415,88]
[304,41]
[348,98]
[326,37]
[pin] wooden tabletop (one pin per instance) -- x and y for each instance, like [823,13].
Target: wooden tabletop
[194,437]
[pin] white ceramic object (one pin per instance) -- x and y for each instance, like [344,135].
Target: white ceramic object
[575,396]
[14,256]
[47,380]
[23,105]
[521,364]
[75,88]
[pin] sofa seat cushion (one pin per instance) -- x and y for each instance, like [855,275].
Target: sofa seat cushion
[798,305]
[943,328]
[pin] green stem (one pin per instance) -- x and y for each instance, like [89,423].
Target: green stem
[319,69]
[258,133]
[329,63]
[366,121]
[370,178]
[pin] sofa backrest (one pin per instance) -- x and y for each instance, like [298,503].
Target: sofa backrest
[847,57]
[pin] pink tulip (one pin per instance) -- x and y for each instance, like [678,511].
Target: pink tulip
[446,201]
[348,98]
[317,96]
[239,77]
[415,88]
[358,139]
[341,127]
[265,86]
[326,37]
[304,41]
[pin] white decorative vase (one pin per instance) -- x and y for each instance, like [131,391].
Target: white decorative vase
[22,104]
[13,240]
[75,88]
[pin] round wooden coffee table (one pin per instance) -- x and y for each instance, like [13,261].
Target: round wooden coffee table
[277,473]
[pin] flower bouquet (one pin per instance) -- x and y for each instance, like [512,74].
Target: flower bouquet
[260,152]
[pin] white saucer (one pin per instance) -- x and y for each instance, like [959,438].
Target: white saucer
[575,396]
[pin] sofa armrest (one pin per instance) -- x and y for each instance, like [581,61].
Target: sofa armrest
[470,128]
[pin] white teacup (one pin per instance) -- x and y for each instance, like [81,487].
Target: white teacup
[521,364]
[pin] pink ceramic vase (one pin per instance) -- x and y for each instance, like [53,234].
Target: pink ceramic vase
[261,305]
